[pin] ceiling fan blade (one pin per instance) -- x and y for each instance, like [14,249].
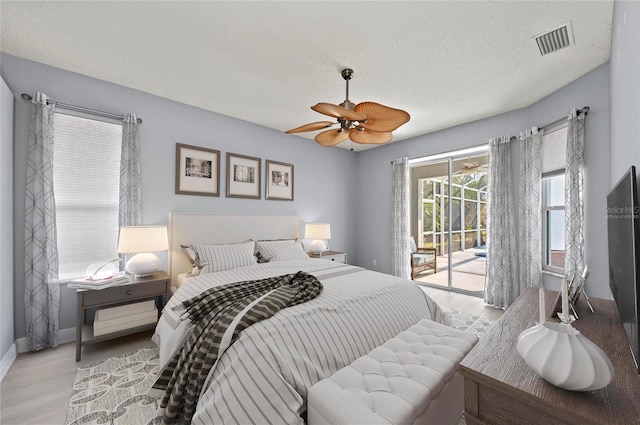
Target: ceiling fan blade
[338,112]
[311,127]
[380,117]
[331,137]
[368,137]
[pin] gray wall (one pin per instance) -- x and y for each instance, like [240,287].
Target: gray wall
[373,229]
[625,88]
[323,183]
[6,219]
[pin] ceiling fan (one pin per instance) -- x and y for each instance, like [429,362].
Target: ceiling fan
[366,122]
[472,168]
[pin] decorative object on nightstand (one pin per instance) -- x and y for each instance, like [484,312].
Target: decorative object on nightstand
[320,233]
[561,355]
[99,271]
[142,241]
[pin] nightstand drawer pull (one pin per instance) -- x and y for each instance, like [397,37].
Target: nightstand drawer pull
[129,292]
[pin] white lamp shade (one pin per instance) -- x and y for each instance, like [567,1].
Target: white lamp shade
[137,239]
[317,231]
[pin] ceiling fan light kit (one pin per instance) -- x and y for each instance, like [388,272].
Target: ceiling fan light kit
[365,123]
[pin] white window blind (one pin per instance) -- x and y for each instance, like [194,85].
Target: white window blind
[86,178]
[554,148]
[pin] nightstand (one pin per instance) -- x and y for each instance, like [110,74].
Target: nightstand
[156,286]
[340,257]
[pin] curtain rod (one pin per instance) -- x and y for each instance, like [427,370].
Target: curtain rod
[76,108]
[584,110]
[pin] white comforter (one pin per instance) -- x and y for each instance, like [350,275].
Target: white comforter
[264,376]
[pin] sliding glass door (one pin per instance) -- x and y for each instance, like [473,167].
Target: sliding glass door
[449,214]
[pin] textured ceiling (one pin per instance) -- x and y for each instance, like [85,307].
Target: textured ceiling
[445,62]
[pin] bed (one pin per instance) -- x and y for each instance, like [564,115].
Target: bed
[265,375]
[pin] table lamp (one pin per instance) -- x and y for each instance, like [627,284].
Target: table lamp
[320,233]
[142,241]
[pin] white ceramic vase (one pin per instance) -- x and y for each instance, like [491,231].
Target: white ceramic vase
[564,357]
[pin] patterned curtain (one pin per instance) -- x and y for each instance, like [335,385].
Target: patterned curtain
[529,211]
[400,234]
[573,195]
[502,285]
[41,298]
[129,213]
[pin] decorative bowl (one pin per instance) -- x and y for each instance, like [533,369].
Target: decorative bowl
[564,357]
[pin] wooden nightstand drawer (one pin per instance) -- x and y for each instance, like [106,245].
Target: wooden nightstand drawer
[337,256]
[124,293]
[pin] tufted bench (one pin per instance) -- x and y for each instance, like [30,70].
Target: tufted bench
[410,379]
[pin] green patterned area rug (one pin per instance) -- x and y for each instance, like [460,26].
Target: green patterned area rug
[113,392]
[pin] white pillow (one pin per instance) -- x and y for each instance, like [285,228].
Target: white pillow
[412,245]
[281,250]
[216,258]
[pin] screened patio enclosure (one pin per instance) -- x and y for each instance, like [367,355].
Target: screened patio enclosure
[449,213]
[468,212]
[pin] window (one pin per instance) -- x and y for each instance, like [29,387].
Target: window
[553,222]
[86,178]
[554,144]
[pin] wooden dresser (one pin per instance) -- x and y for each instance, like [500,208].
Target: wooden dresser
[500,388]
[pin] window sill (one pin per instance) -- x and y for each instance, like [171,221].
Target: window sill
[64,281]
[554,274]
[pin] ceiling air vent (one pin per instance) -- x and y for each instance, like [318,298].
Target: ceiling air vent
[556,39]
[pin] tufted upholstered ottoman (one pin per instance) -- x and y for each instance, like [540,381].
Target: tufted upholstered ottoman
[410,379]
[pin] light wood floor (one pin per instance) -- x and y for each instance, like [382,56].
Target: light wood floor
[37,388]
[473,306]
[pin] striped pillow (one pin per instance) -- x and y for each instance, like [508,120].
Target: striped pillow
[258,254]
[216,258]
[281,250]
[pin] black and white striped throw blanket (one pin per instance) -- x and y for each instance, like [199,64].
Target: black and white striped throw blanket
[226,309]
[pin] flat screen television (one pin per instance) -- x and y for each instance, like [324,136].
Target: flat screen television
[623,225]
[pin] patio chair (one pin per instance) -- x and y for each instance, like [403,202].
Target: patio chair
[422,259]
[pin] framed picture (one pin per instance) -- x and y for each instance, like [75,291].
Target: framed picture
[279,181]
[243,176]
[197,171]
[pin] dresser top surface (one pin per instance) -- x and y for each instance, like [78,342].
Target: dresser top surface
[495,362]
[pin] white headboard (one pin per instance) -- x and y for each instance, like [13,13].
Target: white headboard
[204,228]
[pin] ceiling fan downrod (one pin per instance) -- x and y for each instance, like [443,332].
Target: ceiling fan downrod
[347,74]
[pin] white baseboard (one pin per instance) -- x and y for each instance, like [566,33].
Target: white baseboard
[7,360]
[64,335]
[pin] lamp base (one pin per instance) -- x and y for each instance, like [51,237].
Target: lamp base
[317,246]
[142,264]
